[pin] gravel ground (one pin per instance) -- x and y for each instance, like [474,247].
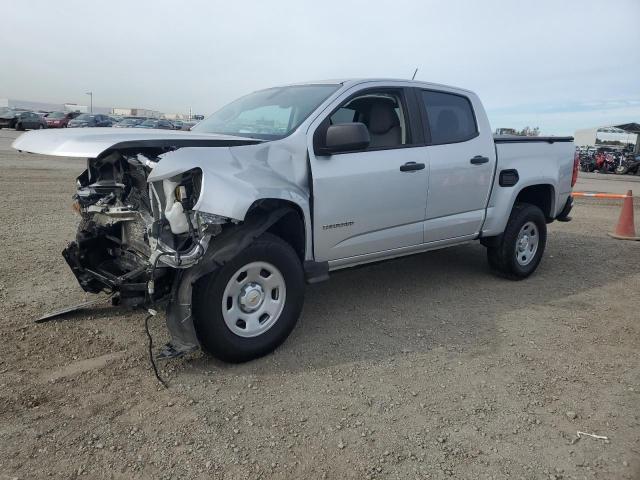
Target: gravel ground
[424,367]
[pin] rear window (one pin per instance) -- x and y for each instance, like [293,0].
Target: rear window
[450,116]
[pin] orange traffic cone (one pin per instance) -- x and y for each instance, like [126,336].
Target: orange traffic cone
[626,230]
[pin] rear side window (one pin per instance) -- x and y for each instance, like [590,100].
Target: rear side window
[450,117]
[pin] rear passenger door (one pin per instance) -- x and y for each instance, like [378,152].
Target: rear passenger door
[462,162]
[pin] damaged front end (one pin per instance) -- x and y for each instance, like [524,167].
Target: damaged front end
[136,237]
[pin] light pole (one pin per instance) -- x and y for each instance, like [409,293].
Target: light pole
[91,100]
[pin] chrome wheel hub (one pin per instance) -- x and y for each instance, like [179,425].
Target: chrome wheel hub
[253,299]
[527,243]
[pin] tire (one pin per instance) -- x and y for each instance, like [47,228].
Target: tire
[19,127]
[502,257]
[217,301]
[622,169]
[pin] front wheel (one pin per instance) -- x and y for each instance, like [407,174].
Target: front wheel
[519,251]
[621,169]
[249,306]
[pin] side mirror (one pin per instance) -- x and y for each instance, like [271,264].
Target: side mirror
[344,137]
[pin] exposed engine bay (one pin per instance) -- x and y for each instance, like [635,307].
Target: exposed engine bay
[161,213]
[135,235]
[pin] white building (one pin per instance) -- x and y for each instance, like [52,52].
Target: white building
[136,112]
[589,137]
[74,107]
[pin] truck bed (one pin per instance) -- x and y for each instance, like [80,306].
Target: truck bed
[542,161]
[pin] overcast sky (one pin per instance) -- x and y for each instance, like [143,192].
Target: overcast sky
[559,65]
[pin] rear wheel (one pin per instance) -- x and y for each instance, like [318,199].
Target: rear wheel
[519,250]
[19,126]
[251,304]
[622,169]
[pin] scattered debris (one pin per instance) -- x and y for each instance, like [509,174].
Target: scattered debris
[592,435]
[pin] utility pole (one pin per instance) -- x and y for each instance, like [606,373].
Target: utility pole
[91,100]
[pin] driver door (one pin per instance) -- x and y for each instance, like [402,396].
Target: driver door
[371,201]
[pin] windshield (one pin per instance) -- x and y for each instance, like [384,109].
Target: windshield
[56,115]
[267,114]
[149,123]
[85,117]
[7,111]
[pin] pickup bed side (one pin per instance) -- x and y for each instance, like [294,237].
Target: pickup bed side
[543,169]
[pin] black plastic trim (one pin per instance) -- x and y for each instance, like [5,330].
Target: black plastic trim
[411,167]
[563,216]
[508,178]
[316,272]
[499,139]
[479,160]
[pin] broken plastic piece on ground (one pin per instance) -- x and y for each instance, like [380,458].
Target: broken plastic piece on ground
[72,309]
[592,435]
[169,351]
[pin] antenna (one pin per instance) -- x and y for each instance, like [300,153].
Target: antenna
[414,74]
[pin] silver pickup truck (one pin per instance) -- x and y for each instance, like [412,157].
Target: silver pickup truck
[225,224]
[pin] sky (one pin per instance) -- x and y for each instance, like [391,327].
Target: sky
[557,65]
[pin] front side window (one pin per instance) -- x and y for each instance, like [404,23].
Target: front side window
[267,114]
[382,113]
[450,117]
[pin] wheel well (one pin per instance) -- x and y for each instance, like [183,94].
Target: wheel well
[541,196]
[289,227]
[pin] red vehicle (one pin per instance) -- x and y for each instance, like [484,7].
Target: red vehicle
[59,119]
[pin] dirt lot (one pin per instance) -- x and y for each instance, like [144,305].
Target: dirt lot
[425,367]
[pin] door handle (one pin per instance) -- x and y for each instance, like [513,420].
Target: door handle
[479,160]
[411,166]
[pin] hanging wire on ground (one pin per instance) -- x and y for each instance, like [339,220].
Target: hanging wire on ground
[151,291]
[151,359]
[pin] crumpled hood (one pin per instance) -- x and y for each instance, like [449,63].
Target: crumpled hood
[91,142]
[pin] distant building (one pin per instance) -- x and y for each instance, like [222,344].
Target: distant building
[74,107]
[175,116]
[614,135]
[136,112]
[506,131]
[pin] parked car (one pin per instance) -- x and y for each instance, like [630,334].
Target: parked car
[60,119]
[129,122]
[30,121]
[177,124]
[9,117]
[226,223]
[156,123]
[90,120]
